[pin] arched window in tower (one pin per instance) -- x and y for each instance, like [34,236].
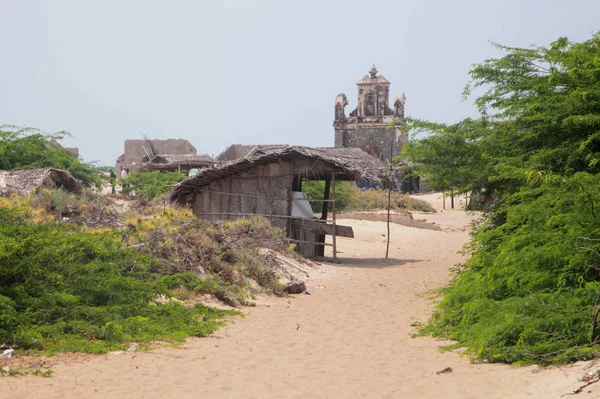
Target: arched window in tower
[370,104]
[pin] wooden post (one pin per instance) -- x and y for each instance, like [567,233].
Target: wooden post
[289,204]
[333,216]
[389,204]
[326,197]
[452,198]
[387,247]
[320,238]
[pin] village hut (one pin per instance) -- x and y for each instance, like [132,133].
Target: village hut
[177,162]
[269,183]
[27,181]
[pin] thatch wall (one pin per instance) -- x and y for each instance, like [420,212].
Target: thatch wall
[263,190]
[27,181]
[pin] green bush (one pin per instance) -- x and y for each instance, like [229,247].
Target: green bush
[527,293]
[151,184]
[376,199]
[63,288]
[531,159]
[315,190]
[28,148]
[418,205]
[350,198]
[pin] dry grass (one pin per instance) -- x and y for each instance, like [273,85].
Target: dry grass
[371,200]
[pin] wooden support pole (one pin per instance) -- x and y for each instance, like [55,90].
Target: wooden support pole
[326,197]
[320,250]
[289,206]
[389,204]
[452,198]
[387,247]
[334,236]
[297,183]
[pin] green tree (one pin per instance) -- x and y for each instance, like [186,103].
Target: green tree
[29,148]
[549,100]
[540,112]
[449,156]
[528,291]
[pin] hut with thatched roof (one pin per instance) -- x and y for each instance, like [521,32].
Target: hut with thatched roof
[269,183]
[176,162]
[27,181]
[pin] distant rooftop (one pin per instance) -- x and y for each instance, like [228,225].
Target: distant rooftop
[237,151]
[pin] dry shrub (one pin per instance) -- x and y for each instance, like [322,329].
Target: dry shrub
[225,251]
[375,199]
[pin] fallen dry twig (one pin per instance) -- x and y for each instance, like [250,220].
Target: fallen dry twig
[580,389]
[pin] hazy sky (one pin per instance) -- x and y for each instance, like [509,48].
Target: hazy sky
[248,71]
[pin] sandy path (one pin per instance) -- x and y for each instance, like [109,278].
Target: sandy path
[350,339]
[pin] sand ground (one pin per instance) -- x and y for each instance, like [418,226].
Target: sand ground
[350,339]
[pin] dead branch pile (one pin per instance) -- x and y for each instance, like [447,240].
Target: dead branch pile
[228,252]
[98,212]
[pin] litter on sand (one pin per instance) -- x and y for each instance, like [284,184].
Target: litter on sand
[7,353]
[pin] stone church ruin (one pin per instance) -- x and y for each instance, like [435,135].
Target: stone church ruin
[367,125]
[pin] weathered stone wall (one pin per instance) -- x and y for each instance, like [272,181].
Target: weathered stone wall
[375,139]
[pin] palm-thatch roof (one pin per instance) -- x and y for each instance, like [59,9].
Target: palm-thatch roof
[345,163]
[26,181]
[238,151]
[177,161]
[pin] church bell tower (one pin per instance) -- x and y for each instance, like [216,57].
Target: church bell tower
[367,126]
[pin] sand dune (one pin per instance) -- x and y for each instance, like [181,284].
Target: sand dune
[350,339]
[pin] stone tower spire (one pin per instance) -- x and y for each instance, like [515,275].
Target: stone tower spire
[373,95]
[373,72]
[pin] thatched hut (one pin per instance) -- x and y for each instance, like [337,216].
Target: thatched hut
[177,162]
[269,183]
[27,181]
